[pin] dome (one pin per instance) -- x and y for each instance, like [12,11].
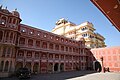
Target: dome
[5,10]
[16,13]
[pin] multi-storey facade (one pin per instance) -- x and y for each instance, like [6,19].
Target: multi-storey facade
[73,31]
[44,52]
[38,50]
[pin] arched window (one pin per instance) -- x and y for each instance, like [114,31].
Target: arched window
[9,50]
[4,51]
[22,41]
[70,49]
[14,21]
[37,43]
[44,45]
[1,35]
[6,66]
[3,21]
[57,47]
[20,53]
[30,42]
[29,54]
[11,36]
[7,35]
[1,66]
[36,55]
[10,20]
[62,48]
[51,46]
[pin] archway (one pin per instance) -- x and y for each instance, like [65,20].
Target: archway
[35,67]
[18,65]
[62,67]
[77,66]
[50,67]
[6,66]
[98,66]
[28,65]
[56,67]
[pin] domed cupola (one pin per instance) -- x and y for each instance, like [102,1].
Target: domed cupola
[4,10]
[16,13]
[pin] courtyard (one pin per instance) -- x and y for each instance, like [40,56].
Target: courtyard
[73,75]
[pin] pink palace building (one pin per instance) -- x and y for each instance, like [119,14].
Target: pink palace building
[44,52]
[38,50]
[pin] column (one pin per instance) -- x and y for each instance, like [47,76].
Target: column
[9,37]
[9,66]
[33,55]
[3,66]
[24,61]
[5,33]
[26,42]
[34,43]
[11,50]
[3,36]
[59,67]
[32,64]
[53,67]
[38,67]
[64,66]
[18,40]
[14,38]
[60,47]
[6,52]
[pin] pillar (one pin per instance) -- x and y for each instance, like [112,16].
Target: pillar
[26,42]
[9,37]
[3,36]
[18,40]
[59,67]
[24,61]
[102,64]
[53,67]
[64,66]
[9,65]
[34,43]
[3,66]
[38,67]
[32,64]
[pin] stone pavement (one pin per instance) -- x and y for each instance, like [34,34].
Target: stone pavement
[98,76]
[73,75]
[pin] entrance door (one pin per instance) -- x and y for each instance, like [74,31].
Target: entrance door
[98,66]
[56,67]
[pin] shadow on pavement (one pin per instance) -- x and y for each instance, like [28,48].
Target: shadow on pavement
[62,75]
[54,76]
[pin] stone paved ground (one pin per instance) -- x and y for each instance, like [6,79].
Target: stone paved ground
[73,75]
[99,76]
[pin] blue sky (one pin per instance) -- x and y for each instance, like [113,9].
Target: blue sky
[43,14]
